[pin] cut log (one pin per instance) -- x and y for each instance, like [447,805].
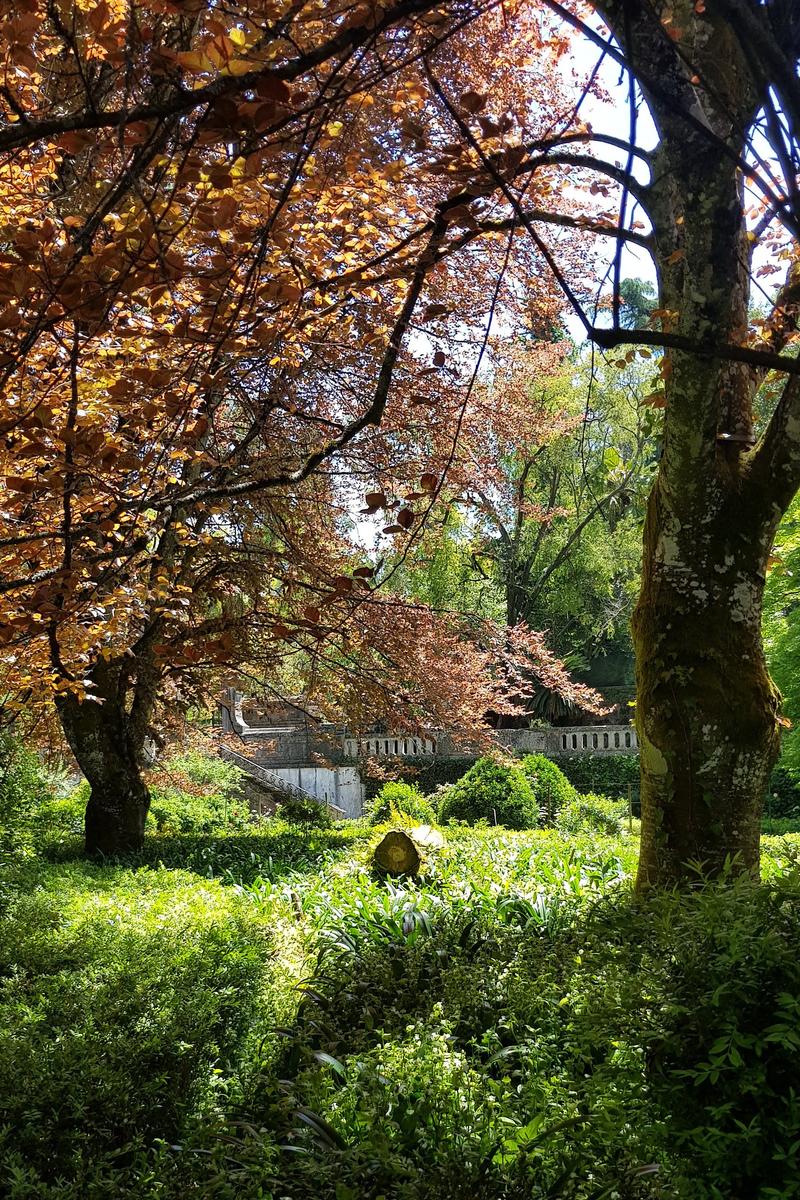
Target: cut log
[402,851]
[397,853]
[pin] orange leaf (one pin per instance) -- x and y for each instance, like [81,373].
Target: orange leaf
[374,501]
[473,101]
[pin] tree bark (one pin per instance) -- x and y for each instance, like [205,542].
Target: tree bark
[108,745]
[706,707]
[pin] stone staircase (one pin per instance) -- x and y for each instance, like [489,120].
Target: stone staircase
[275,783]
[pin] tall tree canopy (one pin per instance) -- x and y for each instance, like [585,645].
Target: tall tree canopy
[235,242]
[721,84]
[543,511]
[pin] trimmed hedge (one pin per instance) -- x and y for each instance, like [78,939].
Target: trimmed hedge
[494,793]
[550,785]
[606,774]
[401,797]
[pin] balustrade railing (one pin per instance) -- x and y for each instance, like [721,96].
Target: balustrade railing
[554,741]
[600,739]
[389,746]
[276,782]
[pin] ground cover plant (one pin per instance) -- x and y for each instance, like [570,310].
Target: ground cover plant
[250,1012]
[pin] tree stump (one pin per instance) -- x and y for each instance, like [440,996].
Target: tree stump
[397,854]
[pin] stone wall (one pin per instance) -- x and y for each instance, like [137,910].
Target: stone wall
[325,762]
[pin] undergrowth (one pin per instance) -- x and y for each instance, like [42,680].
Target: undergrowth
[250,1013]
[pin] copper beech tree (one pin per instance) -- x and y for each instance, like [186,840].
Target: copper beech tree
[245,249]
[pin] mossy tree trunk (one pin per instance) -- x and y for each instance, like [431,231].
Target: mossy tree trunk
[107,735]
[707,712]
[706,707]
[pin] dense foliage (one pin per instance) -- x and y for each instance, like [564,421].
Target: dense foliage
[400,798]
[299,810]
[590,812]
[782,632]
[24,789]
[550,785]
[492,792]
[610,774]
[191,793]
[255,1014]
[429,774]
[548,529]
[783,793]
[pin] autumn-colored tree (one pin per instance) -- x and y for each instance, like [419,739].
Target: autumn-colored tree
[545,502]
[244,251]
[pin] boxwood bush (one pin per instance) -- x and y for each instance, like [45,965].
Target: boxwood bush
[403,797]
[593,814]
[492,792]
[550,785]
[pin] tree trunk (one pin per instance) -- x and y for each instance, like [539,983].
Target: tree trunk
[706,707]
[99,736]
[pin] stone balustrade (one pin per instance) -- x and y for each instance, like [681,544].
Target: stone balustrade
[317,742]
[389,746]
[554,742]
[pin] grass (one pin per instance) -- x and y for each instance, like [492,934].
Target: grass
[255,1015]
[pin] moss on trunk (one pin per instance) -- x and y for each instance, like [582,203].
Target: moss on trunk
[100,738]
[706,707]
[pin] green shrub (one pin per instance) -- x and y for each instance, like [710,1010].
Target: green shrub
[725,1060]
[783,796]
[24,792]
[550,785]
[592,814]
[780,825]
[494,793]
[605,774]
[122,994]
[206,770]
[196,793]
[297,810]
[191,793]
[61,821]
[405,798]
[429,774]
[173,810]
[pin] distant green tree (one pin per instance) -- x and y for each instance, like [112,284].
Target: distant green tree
[637,301]
[562,538]
[551,535]
[781,628]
